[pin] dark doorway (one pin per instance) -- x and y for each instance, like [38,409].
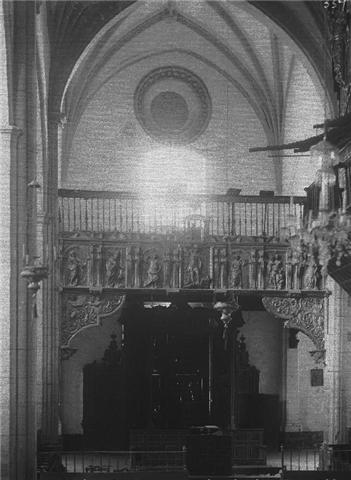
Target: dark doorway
[180,361]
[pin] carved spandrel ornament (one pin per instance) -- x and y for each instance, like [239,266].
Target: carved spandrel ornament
[303,313]
[82,311]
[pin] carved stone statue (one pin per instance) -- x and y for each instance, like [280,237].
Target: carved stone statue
[252,269]
[312,275]
[114,270]
[301,267]
[74,269]
[194,268]
[295,270]
[167,264]
[216,269]
[223,260]
[138,258]
[176,267]
[261,270]
[153,272]
[237,272]
[276,273]
[289,270]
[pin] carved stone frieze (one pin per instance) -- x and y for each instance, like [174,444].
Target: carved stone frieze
[303,313]
[209,264]
[81,311]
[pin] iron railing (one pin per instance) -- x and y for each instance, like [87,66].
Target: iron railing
[222,215]
[121,461]
[302,459]
[323,459]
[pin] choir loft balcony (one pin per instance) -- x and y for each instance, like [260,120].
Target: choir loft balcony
[202,242]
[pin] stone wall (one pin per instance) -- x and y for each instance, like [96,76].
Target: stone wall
[263,338]
[307,406]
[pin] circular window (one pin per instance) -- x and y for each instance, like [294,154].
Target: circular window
[169,110]
[172,105]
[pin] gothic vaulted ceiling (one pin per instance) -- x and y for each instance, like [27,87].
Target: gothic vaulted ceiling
[255,46]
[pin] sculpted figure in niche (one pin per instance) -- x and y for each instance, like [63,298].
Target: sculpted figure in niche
[114,270]
[74,269]
[295,269]
[153,272]
[237,272]
[194,268]
[301,267]
[167,262]
[138,258]
[261,270]
[253,269]
[176,264]
[223,268]
[276,273]
[312,275]
[289,270]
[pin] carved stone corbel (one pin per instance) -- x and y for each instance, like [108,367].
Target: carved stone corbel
[303,313]
[67,352]
[318,356]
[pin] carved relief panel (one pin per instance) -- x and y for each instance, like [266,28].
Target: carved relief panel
[114,267]
[180,263]
[76,265]
[196,267]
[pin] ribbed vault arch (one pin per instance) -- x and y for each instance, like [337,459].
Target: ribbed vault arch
[247,74]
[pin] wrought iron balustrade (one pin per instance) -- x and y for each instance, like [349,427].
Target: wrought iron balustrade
[216,215]
[118,461]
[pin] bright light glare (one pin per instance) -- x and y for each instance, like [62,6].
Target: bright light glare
[169,173]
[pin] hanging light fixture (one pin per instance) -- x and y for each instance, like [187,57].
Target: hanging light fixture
[324,154]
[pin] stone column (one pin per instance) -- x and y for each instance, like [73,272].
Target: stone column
[8,144]
[50,300]
[334,363]
[17,330]
[284,380]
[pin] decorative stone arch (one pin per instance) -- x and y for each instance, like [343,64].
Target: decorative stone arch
[305,313]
